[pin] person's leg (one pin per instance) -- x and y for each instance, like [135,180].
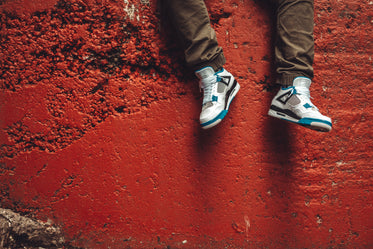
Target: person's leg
[191,20]
[294,52]
[205,56]
[294,48]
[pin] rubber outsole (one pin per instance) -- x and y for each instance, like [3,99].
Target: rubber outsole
[311,123]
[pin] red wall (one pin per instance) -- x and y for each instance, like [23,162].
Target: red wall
[100,133]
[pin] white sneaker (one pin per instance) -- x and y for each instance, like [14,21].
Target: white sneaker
[219,89]
[293,104]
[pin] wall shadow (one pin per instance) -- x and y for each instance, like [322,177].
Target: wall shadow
[278,141]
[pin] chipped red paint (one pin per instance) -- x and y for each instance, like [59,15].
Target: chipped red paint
[100,132]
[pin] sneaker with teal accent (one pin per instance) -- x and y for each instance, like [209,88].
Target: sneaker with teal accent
[219,89]
[293,104]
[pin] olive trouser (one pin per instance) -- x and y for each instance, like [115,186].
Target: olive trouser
[294,47]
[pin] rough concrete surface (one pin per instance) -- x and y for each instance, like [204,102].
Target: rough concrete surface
[99,130]
[17,231]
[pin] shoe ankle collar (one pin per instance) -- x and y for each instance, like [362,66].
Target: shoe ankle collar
[302,82]
[205,72]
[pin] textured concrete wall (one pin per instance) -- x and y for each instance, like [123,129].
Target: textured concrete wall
[99,130]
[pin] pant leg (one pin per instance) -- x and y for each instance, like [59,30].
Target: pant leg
[294,48]
[192,22]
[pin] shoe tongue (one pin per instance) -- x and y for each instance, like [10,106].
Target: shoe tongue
[205,72]
[302,82]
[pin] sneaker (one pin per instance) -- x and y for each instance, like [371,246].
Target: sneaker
[293,104]
[219,89]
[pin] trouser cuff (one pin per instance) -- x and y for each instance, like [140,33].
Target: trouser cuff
[287,79]
[216,63]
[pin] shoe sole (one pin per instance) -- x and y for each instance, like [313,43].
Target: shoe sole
[231,93]
[311,123]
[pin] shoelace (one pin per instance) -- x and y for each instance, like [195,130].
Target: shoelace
[207,84]
[305,92]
